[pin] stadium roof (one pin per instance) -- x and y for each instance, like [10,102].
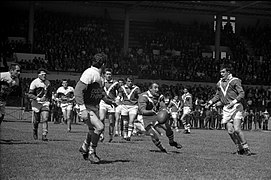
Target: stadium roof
[245,8]
[234,8]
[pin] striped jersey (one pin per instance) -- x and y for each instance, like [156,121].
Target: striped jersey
[187,100]
[229,90]
[129,94]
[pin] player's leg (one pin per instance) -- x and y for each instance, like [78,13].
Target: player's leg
[35,120]
[125,119]
[111,118]
[69,117]
[184,119]
[84,149]
[132,116]
[188,122]
[117,121]
[234,138]
[155,138]
[98,129]
[240,135]
[174,118]
[169,133]
[64,114]
[45,113]
[102,115]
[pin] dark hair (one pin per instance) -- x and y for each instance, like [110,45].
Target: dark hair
[152,83]
[42,69]
[228,67]
[108,69]
[130,77]
[98,60]
[13,66]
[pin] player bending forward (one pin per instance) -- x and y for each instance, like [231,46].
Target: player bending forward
[154,114]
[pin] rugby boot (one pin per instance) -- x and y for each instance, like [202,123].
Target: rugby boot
[247,152]
[44,138]
[111,138]
[163,150]
[176,145]
[93,158]
[84,153]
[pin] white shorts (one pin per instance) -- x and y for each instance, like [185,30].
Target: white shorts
[118,108]
[37,107]
[129,109]
[66,106]
[2,107]
[186,110]
[236,112]
[174,115]
[107,107]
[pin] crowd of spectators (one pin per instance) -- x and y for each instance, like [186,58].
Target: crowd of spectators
[173,52]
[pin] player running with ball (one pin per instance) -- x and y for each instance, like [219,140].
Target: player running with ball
[154,113]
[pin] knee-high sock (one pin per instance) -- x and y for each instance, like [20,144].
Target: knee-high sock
[125,126]
[242,142]
[235,140]
[155,139]
[94,141]
[170,135]
[36,120]
[130,129]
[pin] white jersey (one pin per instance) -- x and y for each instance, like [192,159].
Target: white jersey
[64,94]
[6,85]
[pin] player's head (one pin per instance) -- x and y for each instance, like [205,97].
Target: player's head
[42,74]
[129,81]
[176,97]
[185,90]
[108,73]
[225,70]
[65,83]
[99,60]
[154,88]
[15,70]
[121,81]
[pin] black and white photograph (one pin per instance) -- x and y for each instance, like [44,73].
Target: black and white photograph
[135,90]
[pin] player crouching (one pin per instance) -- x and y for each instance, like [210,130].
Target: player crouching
[154,114]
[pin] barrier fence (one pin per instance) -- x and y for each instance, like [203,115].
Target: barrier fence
[17,109]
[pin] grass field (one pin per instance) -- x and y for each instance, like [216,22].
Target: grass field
[206,154]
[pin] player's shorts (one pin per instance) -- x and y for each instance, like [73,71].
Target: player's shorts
[93,115]
[186,110]
[174,115]
[107,107]
[118,108]
[236,112]
[2,107]
[129,109]
[38,107]
[66,106]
